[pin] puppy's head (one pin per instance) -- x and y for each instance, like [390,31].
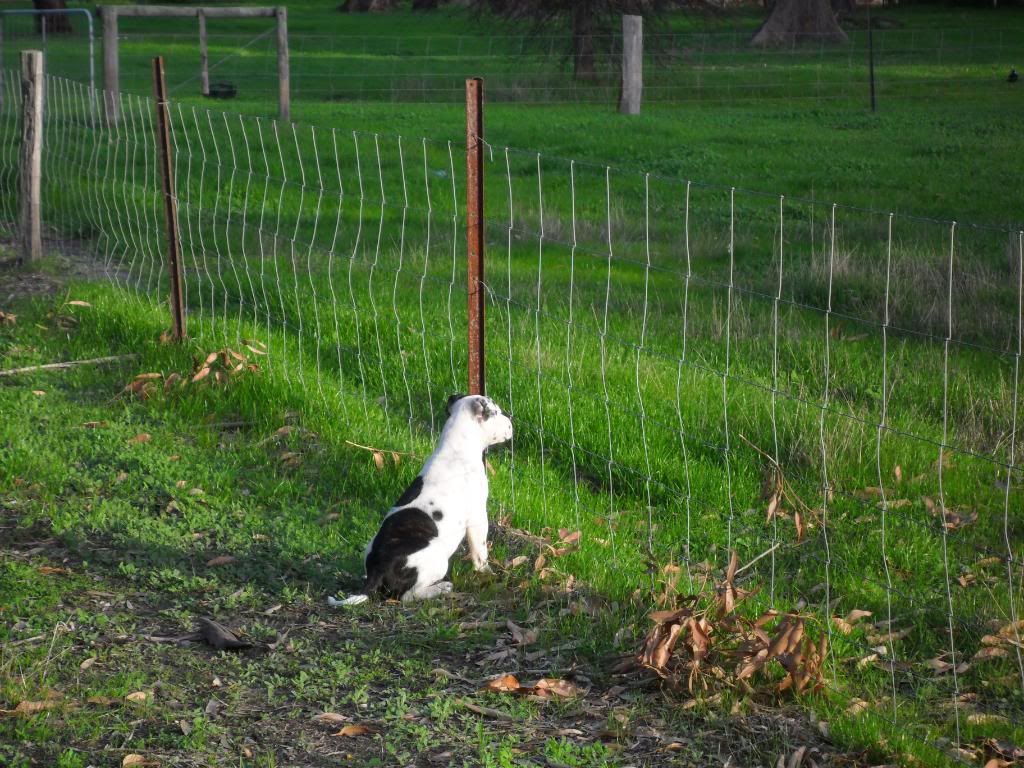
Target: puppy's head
[482,415]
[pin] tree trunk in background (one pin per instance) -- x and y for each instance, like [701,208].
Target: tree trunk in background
[56,23]
[583,41]
[843,8]
[794,21]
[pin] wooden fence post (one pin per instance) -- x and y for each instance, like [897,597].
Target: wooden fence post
[284,97]
[111,75]
[632,64]
[475,231]
[163,139]
[204,57]
[32,86]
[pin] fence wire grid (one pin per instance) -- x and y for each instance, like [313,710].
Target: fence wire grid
[667,350]
[711,67]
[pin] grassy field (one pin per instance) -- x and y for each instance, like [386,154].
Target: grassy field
[652,336]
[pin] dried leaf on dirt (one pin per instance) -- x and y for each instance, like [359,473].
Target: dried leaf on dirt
[87,663]
[351,731]
[332,718]
[138,697]
[220,637]
[78,303]
[520,635]
[142,437]
[503,684]
[6,318]
[213,562]
[134,759]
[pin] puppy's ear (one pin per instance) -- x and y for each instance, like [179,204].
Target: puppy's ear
[451,401]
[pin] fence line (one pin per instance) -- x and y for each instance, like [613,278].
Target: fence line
[830,391]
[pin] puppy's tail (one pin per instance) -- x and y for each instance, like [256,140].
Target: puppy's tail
[371,585]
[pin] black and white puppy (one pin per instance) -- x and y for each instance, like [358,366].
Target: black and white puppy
[408,558]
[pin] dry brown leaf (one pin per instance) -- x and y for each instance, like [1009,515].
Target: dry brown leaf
[136,760]
[202,374]
[897,472]
[170,381]
[142,437]
[331,718]
[33,707]
[378,459]
[6,318]
[856,707]
[138,697]
[520,635]
[990,652]
[94,424]
[568,537]
[553,687]
[983,718]
[78,303]
[503,684]
[515,562]
[87,663]
[856,615]
[842,625]
[351,731]
[1013,629]
[38,392]
[52,570]
[220,560]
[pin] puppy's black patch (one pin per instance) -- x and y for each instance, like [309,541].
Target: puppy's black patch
[452,400]
[438,515]
[410,494]
[402,534]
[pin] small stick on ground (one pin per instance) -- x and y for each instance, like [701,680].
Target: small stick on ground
[66,365]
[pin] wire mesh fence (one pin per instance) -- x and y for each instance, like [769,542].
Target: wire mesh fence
[830,392]
[715,67]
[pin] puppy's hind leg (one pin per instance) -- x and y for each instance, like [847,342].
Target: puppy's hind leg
[427,591]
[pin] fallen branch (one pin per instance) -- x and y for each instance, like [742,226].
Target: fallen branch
[68,364]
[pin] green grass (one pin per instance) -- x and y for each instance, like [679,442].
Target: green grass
[353,277]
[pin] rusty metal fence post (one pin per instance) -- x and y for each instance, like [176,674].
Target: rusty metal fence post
[475,231]
[163,139]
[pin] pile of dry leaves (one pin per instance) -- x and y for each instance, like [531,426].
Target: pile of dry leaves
[216,368]
[705,646]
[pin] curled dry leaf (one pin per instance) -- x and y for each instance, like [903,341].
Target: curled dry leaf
[378,460]
[87,663]
[553,687]
[351,731]
[213,562]
[6,318]
[991,652]
[134,759]
[520,635]
[503,684]
[26,708]
[78,303]
[202,374]
[142,437]
[138,697]
[331,718]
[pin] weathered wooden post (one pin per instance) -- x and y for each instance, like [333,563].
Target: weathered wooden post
[632,64]
[32,86]
[163,140]
[204,58]
[283,75]
[475,231]
[111,75]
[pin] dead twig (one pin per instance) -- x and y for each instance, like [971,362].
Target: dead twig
[68,364]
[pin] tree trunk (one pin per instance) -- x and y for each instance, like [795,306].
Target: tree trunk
[583,41]
[56,23]
[794,21]
[843,8]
